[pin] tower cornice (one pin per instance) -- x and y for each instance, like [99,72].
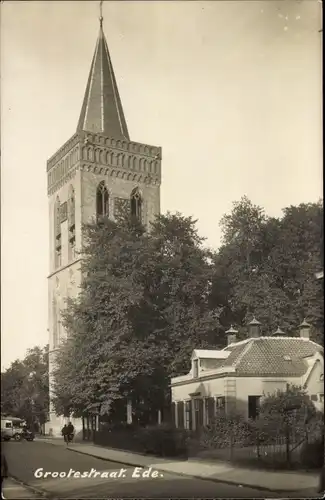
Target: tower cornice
[85,138]
[98,154]
[62,151]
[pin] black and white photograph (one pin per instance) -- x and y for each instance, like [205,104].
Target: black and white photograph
[162,258]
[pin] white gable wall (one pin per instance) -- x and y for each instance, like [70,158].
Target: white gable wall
[315,385]
[223,382]
[235,389]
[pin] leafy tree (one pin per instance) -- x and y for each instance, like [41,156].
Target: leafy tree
[25,387]
[288,412]
[245,244]
[268,266]
[295,259]
[283,401]
[142,308]
[148,298]
[243,231]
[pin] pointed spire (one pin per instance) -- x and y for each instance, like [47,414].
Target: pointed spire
[102,110]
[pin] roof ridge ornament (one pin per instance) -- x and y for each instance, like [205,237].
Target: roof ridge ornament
[101,19]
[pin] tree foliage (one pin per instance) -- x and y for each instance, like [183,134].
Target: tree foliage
[142,308]
[289,411]
[269,265]
[25,387]
[148,298]
[283,402]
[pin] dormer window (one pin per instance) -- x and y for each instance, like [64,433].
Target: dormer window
[196,368]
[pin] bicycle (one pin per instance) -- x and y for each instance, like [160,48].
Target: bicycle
[68,438]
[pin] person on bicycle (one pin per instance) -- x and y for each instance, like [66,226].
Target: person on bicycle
[64,433]
[70,430]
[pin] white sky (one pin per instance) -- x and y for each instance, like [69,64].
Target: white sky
[230,90]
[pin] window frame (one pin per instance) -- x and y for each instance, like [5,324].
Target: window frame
[136,199]
[219,407]
[102,200]
[188,414]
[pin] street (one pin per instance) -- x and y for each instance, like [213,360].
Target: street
[25,458]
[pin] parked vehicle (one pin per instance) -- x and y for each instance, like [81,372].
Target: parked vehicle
[12,428]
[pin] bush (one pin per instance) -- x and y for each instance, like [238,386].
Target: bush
[121,436]
[163,440]
[287,415]
[312,454]
[118,426]
[227,431]
[315,426]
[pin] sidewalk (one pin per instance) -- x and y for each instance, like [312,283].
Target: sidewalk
[213,471]
[14,489]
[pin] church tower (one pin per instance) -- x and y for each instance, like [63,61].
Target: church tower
[98,171]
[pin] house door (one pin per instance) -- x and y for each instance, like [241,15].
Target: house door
[253,406]
[198,413]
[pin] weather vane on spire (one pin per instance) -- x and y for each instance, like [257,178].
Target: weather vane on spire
[101,13]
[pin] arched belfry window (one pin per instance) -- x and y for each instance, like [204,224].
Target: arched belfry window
[102,200]
[136,204]
[57,233]
[71,224]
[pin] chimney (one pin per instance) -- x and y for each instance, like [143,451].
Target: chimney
[304,330]
[254,328]
[278,332]
[231,335]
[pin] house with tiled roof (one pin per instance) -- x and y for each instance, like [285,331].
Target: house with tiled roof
[239,375]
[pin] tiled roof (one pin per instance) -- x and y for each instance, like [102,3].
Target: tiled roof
[263,356]
[267,356]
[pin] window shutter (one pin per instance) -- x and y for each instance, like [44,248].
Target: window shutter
[190,412]
[180,414]
[173,414]
[211,412]
[200,408]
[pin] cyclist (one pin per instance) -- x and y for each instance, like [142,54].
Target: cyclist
[70,431]
[65,433]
